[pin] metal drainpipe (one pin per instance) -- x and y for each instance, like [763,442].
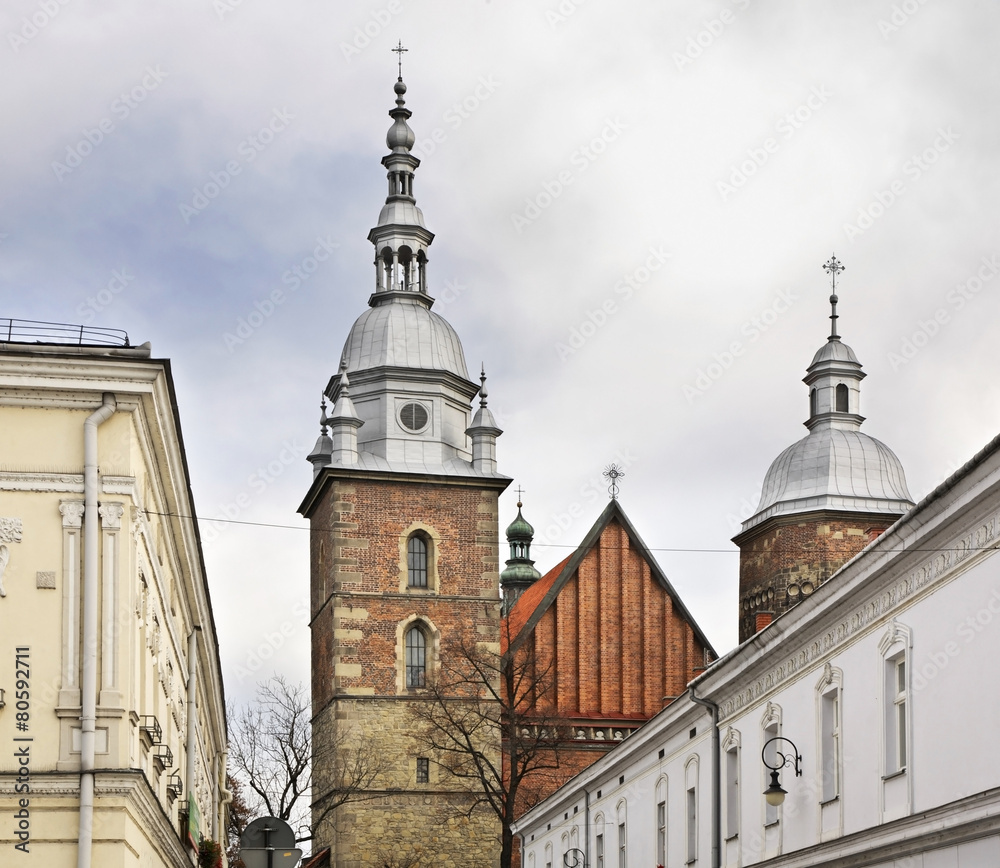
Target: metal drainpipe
[716,782]
[192,725]
[88,680]
[586,828]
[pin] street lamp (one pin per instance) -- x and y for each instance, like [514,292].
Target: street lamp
[774,794]
[575,859]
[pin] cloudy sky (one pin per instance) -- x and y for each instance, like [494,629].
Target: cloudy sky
[632,203]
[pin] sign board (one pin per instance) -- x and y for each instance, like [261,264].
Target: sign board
[268,842]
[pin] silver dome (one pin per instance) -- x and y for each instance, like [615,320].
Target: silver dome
[834,351]
[833,469]
[404,333]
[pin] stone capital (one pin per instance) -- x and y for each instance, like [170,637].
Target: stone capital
[72,512]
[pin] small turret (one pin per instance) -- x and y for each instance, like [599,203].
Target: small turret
[484,433]
[520,573]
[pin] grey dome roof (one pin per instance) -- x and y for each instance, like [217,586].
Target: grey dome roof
[404,333]
[400,211]
[834,351]
[833,469]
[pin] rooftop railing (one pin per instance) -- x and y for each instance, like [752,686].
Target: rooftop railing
[26,331]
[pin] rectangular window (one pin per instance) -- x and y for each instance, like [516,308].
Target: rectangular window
[895,715]
[771,755]
[621,846]
[732,793]
[599,850]
[423,770]
[661,833]
[830,725]
[692,825]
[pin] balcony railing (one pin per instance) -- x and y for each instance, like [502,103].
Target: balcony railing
[26,331]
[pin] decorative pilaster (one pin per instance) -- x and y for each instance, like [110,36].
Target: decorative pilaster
[111,523]
[72,522]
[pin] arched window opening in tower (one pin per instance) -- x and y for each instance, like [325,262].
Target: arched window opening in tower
[813,402]
[416,658]
[416,562]
[841,398]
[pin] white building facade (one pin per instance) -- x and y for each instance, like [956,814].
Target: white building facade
[883,679]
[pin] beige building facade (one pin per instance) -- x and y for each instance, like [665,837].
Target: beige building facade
[112,715]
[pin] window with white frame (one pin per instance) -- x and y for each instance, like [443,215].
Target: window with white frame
[691,807]
[830,742]
[622,854]
[896,704]
[599,851]
[661,833]
[770,731]
[732,792]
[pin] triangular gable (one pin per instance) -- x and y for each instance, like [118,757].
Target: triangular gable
[535,601]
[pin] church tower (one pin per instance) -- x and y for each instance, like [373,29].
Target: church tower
[404,558]
[824,498]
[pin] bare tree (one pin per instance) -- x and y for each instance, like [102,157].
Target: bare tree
[485,721]
[271,755]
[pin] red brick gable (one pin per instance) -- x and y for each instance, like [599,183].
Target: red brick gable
[621,642]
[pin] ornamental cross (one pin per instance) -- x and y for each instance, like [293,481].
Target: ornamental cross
[613,473]
[399,55]
[833,268]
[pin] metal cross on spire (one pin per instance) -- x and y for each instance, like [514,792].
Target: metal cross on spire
[833,268]
[399,57]
[520,491]
[613,473]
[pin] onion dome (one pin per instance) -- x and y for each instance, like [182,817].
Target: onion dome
[520,573]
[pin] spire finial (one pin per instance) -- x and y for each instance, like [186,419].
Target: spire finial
[399,57]
[833,268]
[322,416]
[613,473]
[520,491]
[345,384]
[482,389]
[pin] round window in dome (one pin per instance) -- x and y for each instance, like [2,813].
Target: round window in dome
[413,416]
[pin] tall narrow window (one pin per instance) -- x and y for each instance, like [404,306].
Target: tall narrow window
[622,856]
[830,743]
[771,755]
[416,658]
[661,833]
[692,824]
[896,696]
[423,770]
[841,398]
[732,792]
[599,851]
[416,562]
[813,402]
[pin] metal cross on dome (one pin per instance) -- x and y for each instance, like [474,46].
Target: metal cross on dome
[613,473]
[833,268]
[399,55]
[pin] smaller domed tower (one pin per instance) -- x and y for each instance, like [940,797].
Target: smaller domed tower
[520,573]
[824,498]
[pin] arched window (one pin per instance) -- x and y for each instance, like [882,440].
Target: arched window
[416,658]
[841,398]
[813,402]
[416,562]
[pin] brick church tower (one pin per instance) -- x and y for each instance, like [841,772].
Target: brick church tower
[404,555]
[824,498]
